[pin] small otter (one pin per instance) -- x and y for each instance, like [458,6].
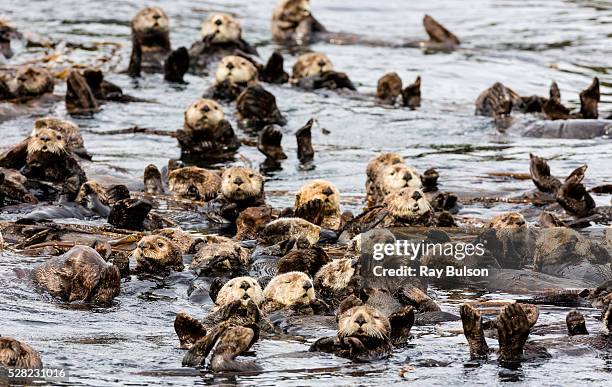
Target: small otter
[206,133]
[284,229]
[241,188]
[15,354]
[151,51]
[221,35]
[257,108]
[233,75]
[156,254]
[329,196]
[80,274]
[315,71]
[29,82]
[363,334]
[292,290]
[221,257]
[194,183]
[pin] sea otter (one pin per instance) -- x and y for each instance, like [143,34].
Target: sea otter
[328,198]
[27,83]
[314,70]
[221,35]
[151,50]
[15,354]
[81,274]
[257,108]
[206,133]
[284,229]
[232,76]
[337,280]
[293,290]
[385,179]
[293,23]
[389,88]
[221,257]
[373,170]
[194,183]
[303,257]
[156,254]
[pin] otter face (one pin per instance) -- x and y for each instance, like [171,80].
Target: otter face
[244,289]
[363,321]
[322,190]
[235,69]
[150,20]
[293,11]
[194,183]
[311,64]
[46,141]
[154,252]
[381,161]
[508,220]
[283,229]
[407,203]
[241,183]
[33,81]
[290,289]
[398,176]
[222,27]
[203,114]
[335,275]
[181,239]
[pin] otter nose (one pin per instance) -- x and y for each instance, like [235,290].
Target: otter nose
[229,66]
[22,79]
[141,245]
[321,63]
[44,138]
[307,286]
[245,286]
[205,109]
[193,191]
[156,16]
[360,320]
[218,22]
[238,180]
[416,195]
[328,191]
[407,176]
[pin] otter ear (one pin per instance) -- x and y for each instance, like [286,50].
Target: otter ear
[348,303]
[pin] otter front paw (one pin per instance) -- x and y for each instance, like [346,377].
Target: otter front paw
[188,329]
[513,327]
[472,329]
[575,323]
[311,211]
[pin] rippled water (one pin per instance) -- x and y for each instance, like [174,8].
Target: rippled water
[526,44]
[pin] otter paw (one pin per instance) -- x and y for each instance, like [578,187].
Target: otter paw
[513,327]
[188,329]
[269,143]
[311,211]
[414,296]
[401,323]
[575,323]
[473,331]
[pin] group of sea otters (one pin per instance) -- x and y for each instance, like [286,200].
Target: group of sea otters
[298,265]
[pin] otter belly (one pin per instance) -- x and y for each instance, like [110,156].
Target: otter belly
[577,129]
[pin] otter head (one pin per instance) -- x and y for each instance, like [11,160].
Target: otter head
[46,141]
[194,183]
[156,253]
[241,183]
[311,64]
[293,288]
[292,11]
[33,81]
[335,275]
[151,21]
[236,69]
[381,161]
[407,204]
[203,114]
[508,220]
[322,190]
[398,176]
[244,289]
[221,28]
[363,321]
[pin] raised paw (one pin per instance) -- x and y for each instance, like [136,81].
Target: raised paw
[473,331]
[575,323]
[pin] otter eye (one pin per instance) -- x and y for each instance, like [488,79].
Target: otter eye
[160,244]
[251,175]
[59,137]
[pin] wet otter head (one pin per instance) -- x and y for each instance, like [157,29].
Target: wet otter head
[292,11]
[155,252]
[203,114]
[151,21]
[251,221]
[408,204]
[244,289]
[508,220]
[363,321]
[236,70]
[283,229]
[194,183]
[46,141]
[221,256]
[33,82]
[310,64]
[335,275]
[389,87]
[15,354]
[398,176]
[290,289]
[181,239]
[322,190]
[241,183]
[221,28]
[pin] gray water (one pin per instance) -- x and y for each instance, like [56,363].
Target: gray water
[526,44]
